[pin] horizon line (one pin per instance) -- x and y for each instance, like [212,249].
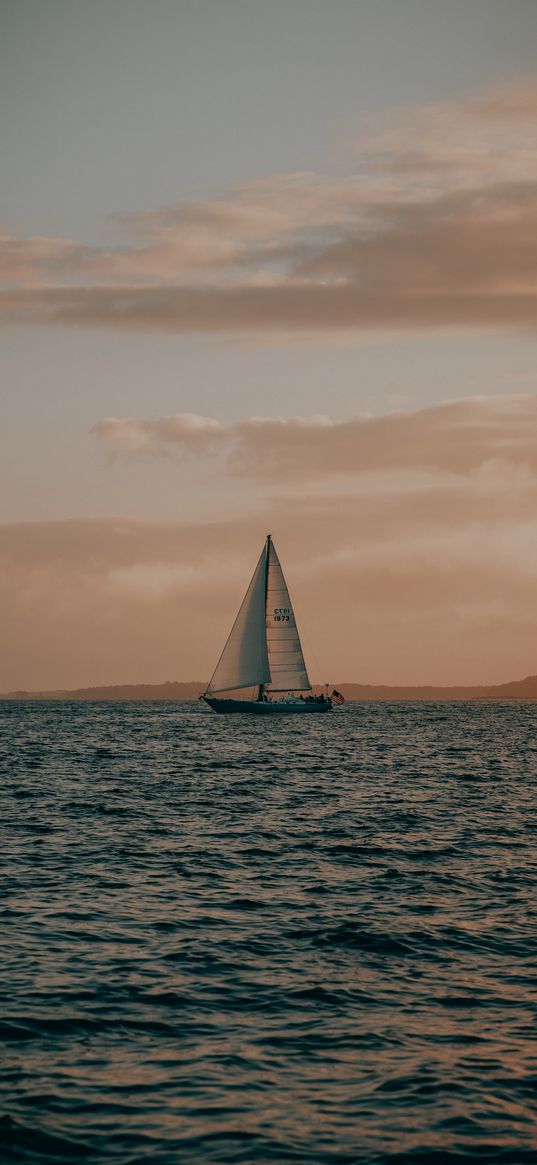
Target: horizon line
[198,685]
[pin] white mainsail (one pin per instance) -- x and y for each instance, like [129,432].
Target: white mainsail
[263,646]
[244,660]
[286,661]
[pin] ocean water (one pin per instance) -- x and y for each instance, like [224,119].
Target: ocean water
[307,939]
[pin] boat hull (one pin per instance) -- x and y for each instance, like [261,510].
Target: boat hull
[267,707]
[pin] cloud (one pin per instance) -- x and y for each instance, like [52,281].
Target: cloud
[294,307]
[431,583]
[455,438]
[515,101]
[187,431]
[409,541]
[485,137]
[434,227]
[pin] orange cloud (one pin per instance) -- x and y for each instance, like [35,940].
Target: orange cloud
[435,228]
[187,431]
[458,437]
[399,576]
[514,101]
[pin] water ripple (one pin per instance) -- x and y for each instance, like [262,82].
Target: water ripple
[228,941]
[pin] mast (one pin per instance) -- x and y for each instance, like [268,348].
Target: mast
[261,688]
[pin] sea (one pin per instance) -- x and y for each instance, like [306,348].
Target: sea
[289,939]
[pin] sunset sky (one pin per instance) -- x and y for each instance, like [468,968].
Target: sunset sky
[268,266]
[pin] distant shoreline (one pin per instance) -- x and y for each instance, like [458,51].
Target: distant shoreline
[525,689]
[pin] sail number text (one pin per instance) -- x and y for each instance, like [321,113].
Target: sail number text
[281,614]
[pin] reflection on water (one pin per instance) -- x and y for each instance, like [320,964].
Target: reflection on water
[231,940]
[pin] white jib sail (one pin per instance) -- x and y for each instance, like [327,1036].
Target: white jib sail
[244,660]
[287,667]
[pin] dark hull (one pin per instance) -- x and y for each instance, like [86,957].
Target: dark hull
[267,708]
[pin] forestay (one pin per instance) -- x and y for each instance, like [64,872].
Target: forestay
[244,660]
[286,661]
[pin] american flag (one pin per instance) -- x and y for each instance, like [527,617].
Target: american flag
[337,698]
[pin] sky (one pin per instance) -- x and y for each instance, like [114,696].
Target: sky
[268,267]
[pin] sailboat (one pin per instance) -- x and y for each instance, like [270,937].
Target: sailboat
[263,650]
